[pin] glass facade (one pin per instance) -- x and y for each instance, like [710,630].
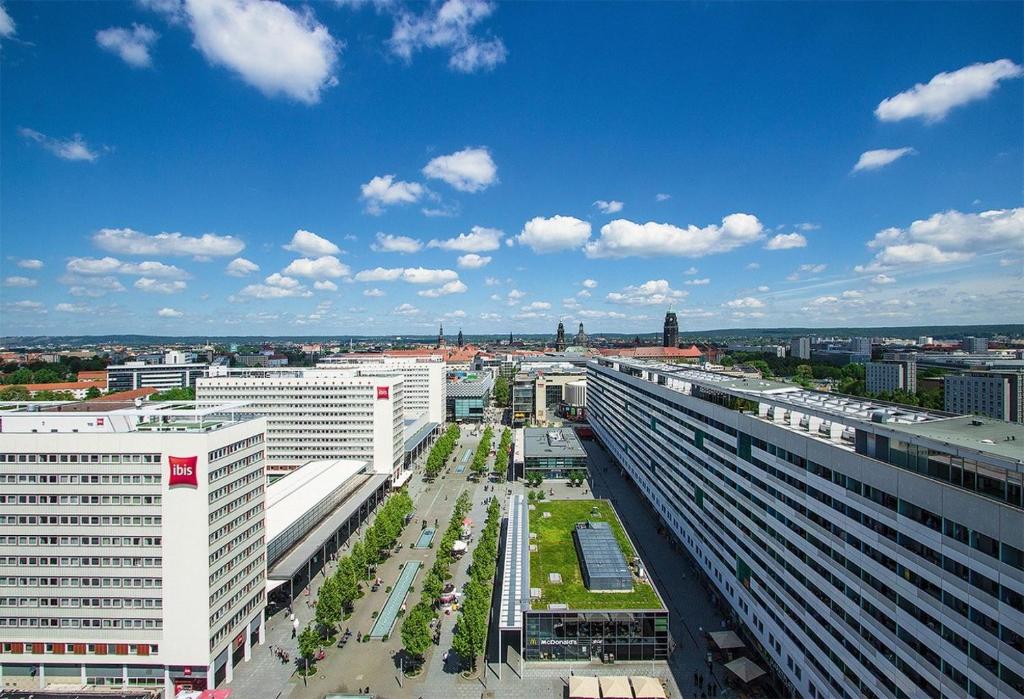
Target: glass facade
[621,635]
[556,466]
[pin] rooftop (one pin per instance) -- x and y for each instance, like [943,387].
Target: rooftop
[540,442]
[1005,439]
[290,497]
[470,389]
[604,567]
[170,416]
[556,553]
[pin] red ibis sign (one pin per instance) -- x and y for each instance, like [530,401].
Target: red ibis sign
[383,392]
[183,471]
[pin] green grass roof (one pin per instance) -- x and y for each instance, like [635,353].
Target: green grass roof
[556,553]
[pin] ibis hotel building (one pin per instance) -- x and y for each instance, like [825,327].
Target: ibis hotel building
[132,547]
[870,550]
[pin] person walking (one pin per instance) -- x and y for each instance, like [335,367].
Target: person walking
[295,627]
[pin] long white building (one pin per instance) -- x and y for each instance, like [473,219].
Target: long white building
[315,414]
[873,551]
[132,549]
[424,379]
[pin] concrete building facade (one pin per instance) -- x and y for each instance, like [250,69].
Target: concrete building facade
[800,348]
[997,394]
[133,375]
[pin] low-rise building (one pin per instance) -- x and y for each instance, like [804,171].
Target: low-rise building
[133,375]
[553,453]
[892,375]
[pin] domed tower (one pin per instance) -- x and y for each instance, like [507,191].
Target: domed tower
[560,338]
[581,337]
[670,336]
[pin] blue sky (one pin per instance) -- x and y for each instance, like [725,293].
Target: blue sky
[251,167]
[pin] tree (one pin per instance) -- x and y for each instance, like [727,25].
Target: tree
[501,392]
[483,449]
[347,583]
[762,366]
[416,637]
[359,561]
[47,375]
[309,643]
[328,605]
[14,393]
[186,393]
[21,376]
[93,392]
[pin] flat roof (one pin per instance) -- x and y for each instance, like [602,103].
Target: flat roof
[470,389]
[312,543]
[1004,439]
[289,498]
[515,576]
[560,441]
[416,438]
[603,565]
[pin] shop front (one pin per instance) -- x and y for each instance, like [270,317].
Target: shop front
[591,635]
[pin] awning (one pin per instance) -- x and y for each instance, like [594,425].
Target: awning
[726,640]
[406,475]
[615,687]
[274,584]
[419,435]
[584,688]
[645,687]
[744,668]
[459,545]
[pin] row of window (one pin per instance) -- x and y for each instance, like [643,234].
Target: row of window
[224,471]
[44,540]
[87,561]
[80,458]
[76,602]
[226,450]
[80,649]
[83,520]
[23,622]
[83,478]
[72,581]
[80,499]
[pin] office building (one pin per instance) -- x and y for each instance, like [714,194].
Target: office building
[975,345]
[925,340]
[133,375]
[774,350]
[670,332]
[467,399]
[800,348]
[538,392]
[996,394]
[553,453]
[132,548]
[423,379]
[871,550]
[890,376]
[317,414]
[838,357]
[861,345]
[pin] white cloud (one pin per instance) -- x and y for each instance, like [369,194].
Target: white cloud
[754,265]
[74,148]
[92,265]
[279,280]
[155,286]
[950,236]
[441,211]
[745,302]
[623,238]
[153,269]
[422,275]
[91,286]
[946,91]
[537,306]
[455,314]
[479,239]
[813,268]
[277,50]
[239,267]
[454,287]
[807,226]
[126,241]
[30,264]
[875,159]
[467,170]
[319,268]
[325,286]
[473,261]
[589,284]
[169,313]
[583,294]
[490,316]
[396,243]
[379,274]
[662,197]
[71,308]
[373,293]
[20,282]
[571,302]
[132,45]
[691,271]
[609,207]
[697,282]
[406,309]
[384,191]
[7,28]
[310,244]
[786,241]
[276,286]
[602,314]
[882,279]
[492,281]
[449,26]
[655,292]
[27,306]
[853,294]
[555,233]
[514,297]
[763,289]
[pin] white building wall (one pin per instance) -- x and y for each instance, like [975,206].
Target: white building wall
[977,394]
[424,390]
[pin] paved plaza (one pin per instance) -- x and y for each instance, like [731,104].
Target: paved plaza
[375,664]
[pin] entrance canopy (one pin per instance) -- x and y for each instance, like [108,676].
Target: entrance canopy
[744,668]
[726,640]
[615,687]
[584,688]
[647,687]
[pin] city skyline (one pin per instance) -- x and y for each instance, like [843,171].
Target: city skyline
[378,168]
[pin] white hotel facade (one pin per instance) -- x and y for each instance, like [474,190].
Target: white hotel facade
[871,551]
[424,379]
[318,414]
[132,547]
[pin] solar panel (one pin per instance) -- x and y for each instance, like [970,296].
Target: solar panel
[601,560]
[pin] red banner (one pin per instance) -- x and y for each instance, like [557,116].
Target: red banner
[183,471]
[383,392]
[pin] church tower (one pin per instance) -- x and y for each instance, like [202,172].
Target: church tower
[670,336]
[560,338]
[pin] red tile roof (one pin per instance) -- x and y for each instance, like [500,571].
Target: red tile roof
[127,395]
[97,376]
[690,352]
[64,386]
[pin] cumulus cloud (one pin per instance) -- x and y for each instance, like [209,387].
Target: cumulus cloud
[325,286]
[276,286]
[35,306]
[318,268]
[589,284]
[90,286]
[655,292]
[157,286]
[745,302]
[949,236]
[662,197]
[754,265]
[169,313]
[786,241]
[240,267]
[933,101]
[278,50]
[373,293]
[473,261]
[92,265]
[555,233]
[479,239]
[453,287]
[468,170]
[383,191]
[126,241]
[624,238]
[30,264]
[132,45]
[422,275]
[490,316]
[450,26]
[379,274]
[7,27]
[396,243]
[514,296]
[74,148]
[697,282]
[875,159]
[608,207]
[602,314]
[312,245]
[153,269]
[20,282]
[71,308]
[537,306]
[882,279]
[406,309]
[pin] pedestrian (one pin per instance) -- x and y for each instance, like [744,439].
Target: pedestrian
[695,678]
